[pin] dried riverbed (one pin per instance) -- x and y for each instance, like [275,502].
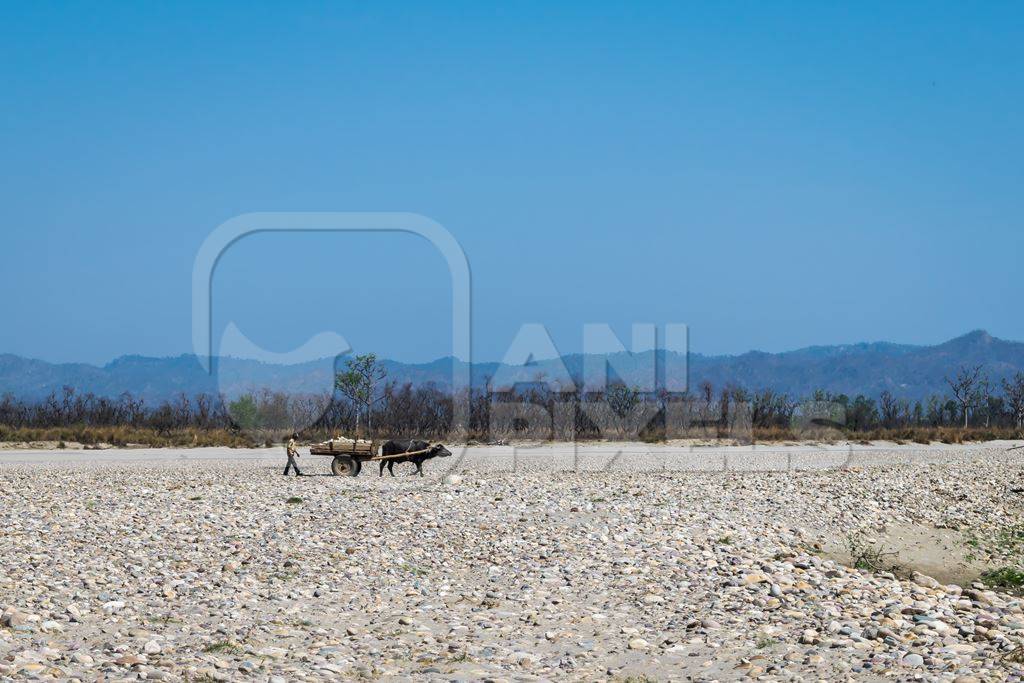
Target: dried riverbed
[192,565]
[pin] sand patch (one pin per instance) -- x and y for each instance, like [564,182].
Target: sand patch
[942,554]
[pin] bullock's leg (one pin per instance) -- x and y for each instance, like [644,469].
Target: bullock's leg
[419,467]
[382,464]
[391,467]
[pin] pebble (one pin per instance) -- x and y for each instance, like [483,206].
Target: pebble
[15,618]
[51,626]
[912,660]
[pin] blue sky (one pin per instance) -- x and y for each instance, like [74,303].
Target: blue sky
[774,175]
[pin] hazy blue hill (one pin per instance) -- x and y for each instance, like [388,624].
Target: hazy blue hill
[868,368]
[911,371]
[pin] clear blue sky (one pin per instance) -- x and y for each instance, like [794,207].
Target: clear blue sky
[772,174]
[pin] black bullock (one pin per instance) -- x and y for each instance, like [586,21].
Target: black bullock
[398,447]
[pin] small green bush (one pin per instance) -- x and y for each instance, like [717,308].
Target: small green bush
[1004,577]
[221,646]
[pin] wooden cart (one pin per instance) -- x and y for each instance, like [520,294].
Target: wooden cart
[350,456]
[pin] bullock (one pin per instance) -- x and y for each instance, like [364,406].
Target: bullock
[399,447]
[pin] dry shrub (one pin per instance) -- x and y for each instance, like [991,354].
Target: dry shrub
[125,435]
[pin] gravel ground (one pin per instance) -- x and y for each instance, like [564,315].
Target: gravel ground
[208,564]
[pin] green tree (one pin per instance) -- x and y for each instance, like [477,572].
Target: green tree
[918,415]
[244,412]
[862,415]
[359,384]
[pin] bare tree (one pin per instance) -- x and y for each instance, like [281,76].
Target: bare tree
[1014,391]
[359,384]
[889,408]
[968,388]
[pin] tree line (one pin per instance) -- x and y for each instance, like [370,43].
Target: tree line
[365,403]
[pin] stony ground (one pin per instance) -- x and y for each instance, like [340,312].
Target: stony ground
[219,569]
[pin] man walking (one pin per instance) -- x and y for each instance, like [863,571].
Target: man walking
[293,453]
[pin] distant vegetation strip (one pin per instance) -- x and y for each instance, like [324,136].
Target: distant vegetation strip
[973,410]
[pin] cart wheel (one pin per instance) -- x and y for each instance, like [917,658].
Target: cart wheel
[344,466]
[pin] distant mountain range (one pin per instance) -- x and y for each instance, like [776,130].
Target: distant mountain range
[866,368]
